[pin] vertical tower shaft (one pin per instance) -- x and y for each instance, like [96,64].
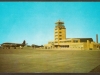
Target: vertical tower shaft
[60,31]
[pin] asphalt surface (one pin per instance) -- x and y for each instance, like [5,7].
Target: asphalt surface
[49,61]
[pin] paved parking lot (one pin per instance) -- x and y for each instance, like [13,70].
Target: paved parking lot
[48,61]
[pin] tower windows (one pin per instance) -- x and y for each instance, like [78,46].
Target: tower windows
[56,35]
[56,42]
[56,38]
[60,38]
[56,32]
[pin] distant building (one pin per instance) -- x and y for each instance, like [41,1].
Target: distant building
[37,46]
[61,42]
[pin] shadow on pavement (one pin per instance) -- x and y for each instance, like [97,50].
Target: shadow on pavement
[95,70]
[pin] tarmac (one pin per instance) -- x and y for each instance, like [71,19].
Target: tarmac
[49,61]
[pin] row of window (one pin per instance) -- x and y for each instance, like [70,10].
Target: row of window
[75,40]
[57,35]
[58,32]
[71,47]
[57,29]
[58,39]
[65,41]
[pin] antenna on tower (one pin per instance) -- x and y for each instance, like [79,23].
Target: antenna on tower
[59,20]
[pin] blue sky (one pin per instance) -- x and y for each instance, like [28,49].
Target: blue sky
[35,21]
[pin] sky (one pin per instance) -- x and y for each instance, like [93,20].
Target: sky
[34,22]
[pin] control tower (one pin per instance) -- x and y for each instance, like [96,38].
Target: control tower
[60,31]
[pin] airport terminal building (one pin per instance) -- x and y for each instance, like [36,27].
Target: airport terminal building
[61,42]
